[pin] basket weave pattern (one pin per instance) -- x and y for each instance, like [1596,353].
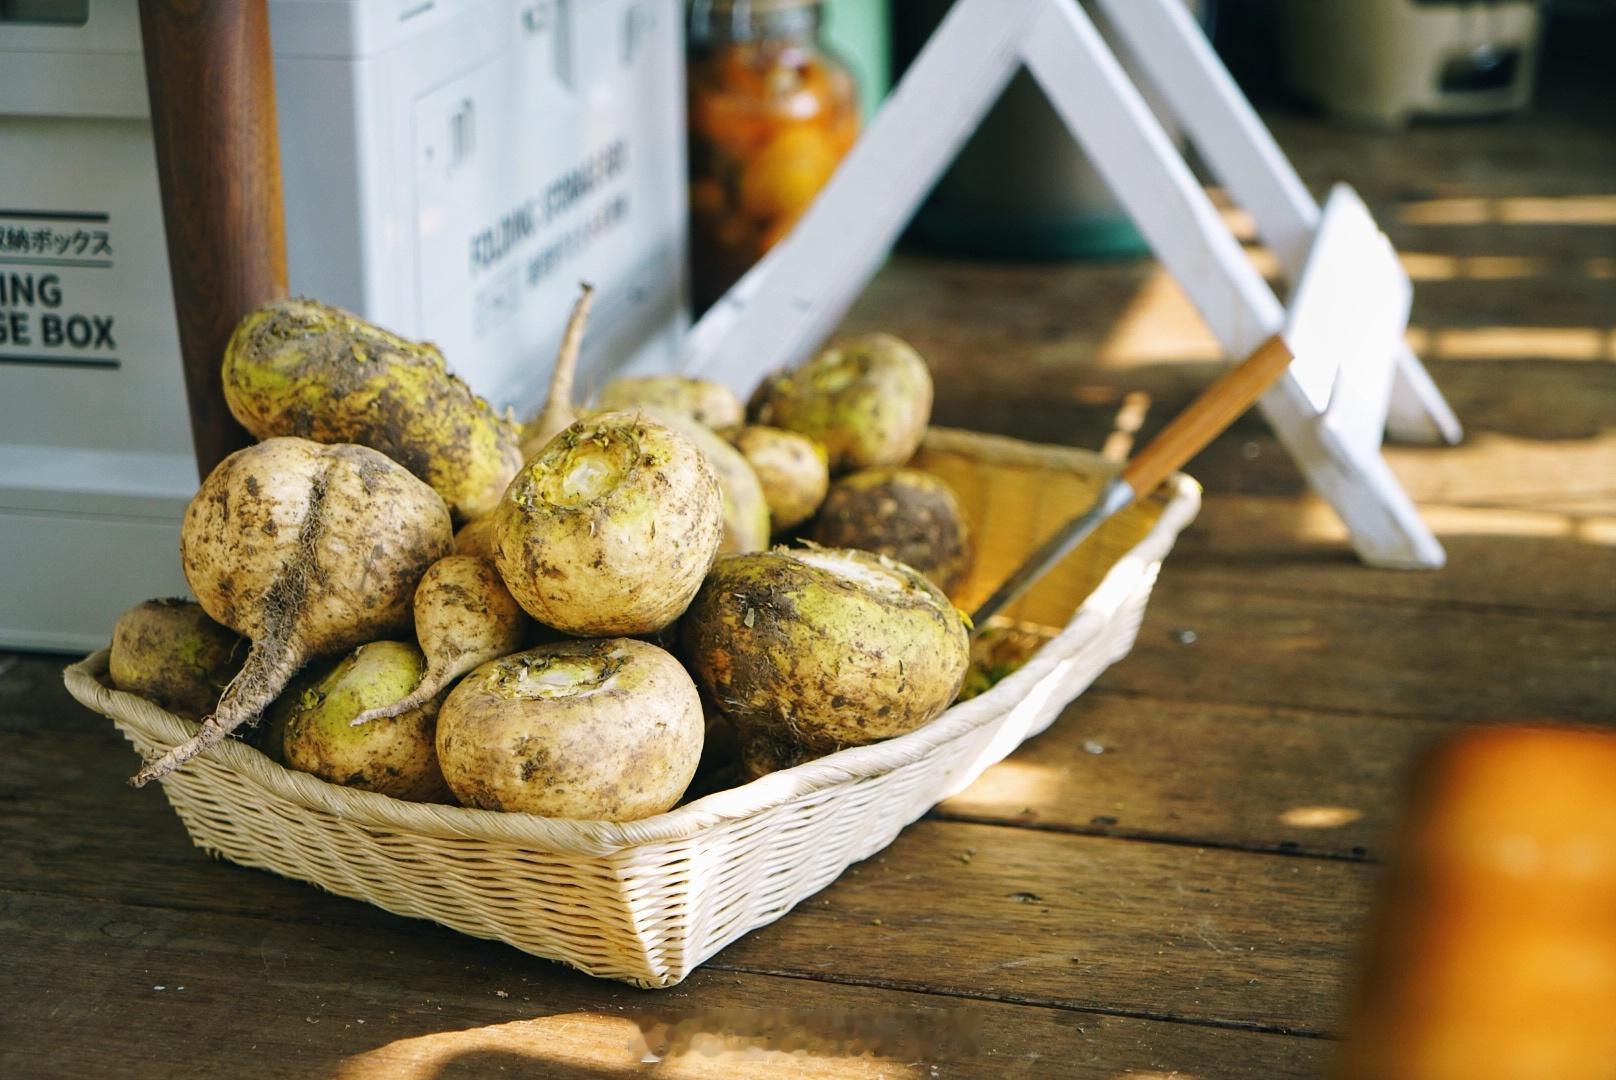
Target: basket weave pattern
[648,901]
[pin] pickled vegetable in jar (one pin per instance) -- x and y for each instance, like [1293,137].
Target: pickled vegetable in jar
[772,113]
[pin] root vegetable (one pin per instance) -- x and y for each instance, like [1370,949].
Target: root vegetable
[710,404]
[171,653]
[867,401]
[746,510]
[791,469]
[464,616]
[395,756]
[299,367]
[904,514]
[269,734]
[476,538]
[596,730]
[998,652]
[610,528]
[306,549]
[808,651]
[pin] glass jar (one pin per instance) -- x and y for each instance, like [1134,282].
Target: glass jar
[772,113]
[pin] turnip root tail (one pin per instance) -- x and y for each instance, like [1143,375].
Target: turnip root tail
[438,675]
[273,659]
[558,413]
[270,665]
[464,617]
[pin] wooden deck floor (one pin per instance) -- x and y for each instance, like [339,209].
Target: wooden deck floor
[1168,883]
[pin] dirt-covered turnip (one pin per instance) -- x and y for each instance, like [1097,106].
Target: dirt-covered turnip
[610,528]
[791,469]
[710,404]
[299,367]
[905,514]
[464,616]
[866,401]
[169,652]
[998,652]
[395,756]
[476,537]
[606,730]
[807,651]
[306,549]
[746,509]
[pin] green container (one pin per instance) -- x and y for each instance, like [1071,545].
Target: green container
[859,32]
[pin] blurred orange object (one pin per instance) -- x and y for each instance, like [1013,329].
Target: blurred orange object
[1493,952]
[772,113]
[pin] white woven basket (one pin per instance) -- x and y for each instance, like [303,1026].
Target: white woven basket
[648,901]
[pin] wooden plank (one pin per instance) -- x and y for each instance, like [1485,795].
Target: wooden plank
[32,697]
[1217,936]
[1160,930]
[1366,656]
[95,988]
[1249,767]
[1530,561]
[1089,321]
[1277,779]
[1155,931]
[1564,476]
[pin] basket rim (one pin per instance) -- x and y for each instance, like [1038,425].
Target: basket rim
[1181,500]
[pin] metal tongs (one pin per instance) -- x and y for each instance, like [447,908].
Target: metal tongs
[1188,433]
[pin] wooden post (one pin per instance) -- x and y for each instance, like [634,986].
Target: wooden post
[218,161]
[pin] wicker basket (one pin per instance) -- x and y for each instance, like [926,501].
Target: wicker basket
[647,901]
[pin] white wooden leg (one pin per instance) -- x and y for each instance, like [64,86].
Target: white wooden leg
[1127,146]
[1385,526]
[1169,47]
[794,298]
[1419,413]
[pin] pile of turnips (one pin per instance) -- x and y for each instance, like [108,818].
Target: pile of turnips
[402,590]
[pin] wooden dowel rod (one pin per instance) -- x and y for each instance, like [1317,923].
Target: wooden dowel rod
[1216,408]
[212,95]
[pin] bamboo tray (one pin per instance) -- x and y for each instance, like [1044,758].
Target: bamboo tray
[648,901]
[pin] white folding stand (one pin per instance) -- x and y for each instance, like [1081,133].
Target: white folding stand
[1349,305]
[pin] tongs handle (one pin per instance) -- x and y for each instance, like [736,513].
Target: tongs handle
[1184,437]
[1207,416]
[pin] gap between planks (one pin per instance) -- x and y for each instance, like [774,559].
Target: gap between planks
[1028,1001]
[1280,849]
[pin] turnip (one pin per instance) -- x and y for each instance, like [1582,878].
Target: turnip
[791,469]
[905,514]
[867,401]
[299,367]
[610,528]
[746,509]
[269,734]
[598,730]
[808,651]
[171,653]
[710,404]
[464,616]
[998,652]
[476,537]
[307,549]
[395,756]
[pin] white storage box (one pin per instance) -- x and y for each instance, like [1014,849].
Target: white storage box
[451,169]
